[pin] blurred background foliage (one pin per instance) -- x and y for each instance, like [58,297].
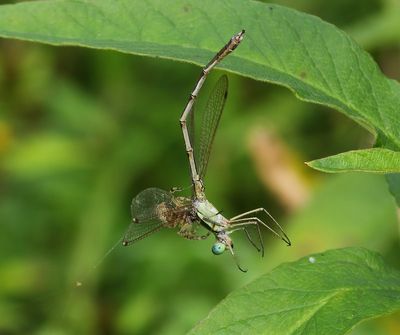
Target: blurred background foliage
[83,131]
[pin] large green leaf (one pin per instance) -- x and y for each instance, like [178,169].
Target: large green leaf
[316,60]
[375,160]
[327,293]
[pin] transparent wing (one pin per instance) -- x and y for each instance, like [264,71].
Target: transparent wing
[211,117]
[153,209]
[137,232]
[148,214]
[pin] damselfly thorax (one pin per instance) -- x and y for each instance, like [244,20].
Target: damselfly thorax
[208,214]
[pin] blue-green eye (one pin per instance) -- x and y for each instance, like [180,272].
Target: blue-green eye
[218,248]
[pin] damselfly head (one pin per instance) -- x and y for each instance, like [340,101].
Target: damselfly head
[218,248]
[223,242]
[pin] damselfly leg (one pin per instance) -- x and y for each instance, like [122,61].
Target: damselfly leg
[244,218]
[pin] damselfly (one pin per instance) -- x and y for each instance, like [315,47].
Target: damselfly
[154,208]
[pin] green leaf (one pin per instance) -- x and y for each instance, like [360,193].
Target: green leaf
[320,63]
[374,160]
[327,293]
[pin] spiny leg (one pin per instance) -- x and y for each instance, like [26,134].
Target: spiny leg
[250,238]
[284,237]
[253,243]
[235,258]
[252,220]
[194,236]
[227,49]
[175,189]
[187,231]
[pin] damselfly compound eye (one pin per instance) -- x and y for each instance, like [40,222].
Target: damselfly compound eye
[218,248]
